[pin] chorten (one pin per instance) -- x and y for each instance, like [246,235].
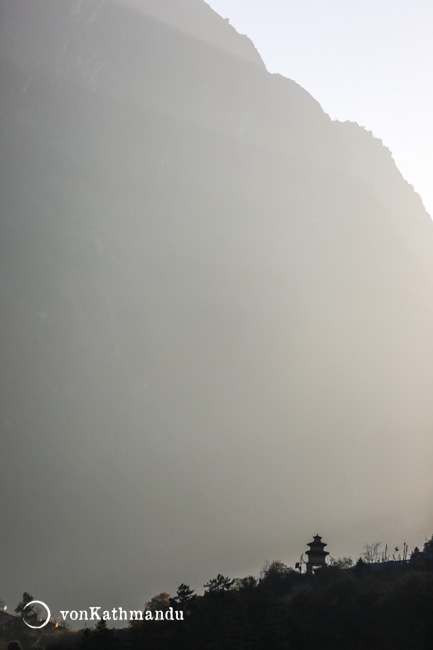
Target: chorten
[316,554]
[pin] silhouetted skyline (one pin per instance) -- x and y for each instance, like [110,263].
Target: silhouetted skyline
[368,62]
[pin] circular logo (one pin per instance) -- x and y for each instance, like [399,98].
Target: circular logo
[38,602]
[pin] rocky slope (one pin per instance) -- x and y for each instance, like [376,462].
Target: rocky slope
[216,307]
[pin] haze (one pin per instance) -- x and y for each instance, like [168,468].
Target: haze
[216,311]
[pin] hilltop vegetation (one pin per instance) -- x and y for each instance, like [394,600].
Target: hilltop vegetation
[383,605]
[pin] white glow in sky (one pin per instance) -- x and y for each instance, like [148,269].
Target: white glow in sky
[369,62]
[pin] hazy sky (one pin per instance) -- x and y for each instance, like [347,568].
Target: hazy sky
[368,62]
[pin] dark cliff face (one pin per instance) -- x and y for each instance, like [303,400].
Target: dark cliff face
[216,304]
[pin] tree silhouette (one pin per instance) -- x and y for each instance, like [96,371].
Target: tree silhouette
[29,612]
[272,570]
[159,602]
[371,553]
[220,583]
[184,594]
[341,562]
[249,582]
[101,626]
